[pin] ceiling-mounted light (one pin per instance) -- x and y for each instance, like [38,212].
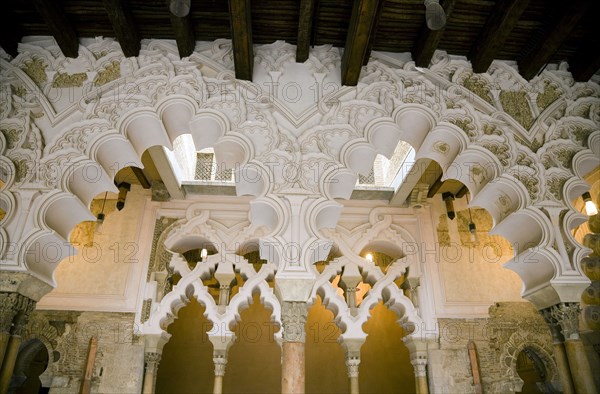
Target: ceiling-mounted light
[369,257]
[590,208]
[100,217]
[180,8]
[472,227]
[435,17]
[449,200]
[203,254]
[473,232]
[124,187]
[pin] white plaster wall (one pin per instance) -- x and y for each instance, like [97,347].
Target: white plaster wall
[106,275]
[471,275]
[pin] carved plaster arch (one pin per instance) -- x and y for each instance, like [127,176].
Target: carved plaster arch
[418,101]
[197,225]
[517,342]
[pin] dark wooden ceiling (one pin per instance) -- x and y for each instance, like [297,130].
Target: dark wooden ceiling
[532,32]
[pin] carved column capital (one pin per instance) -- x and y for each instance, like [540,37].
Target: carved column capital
[567,316]
[15,309]
[220,361]
[555,329]
[8,310]
[352,363]
[293,318]
[419,363]
[152,359]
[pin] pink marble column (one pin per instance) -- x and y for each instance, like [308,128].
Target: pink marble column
[293,316]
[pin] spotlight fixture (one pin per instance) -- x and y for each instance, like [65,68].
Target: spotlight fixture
[449,200]
[590,208]
[124,187]
[100,217]
[180,8]
[203,254]
[369,257]
[435,17]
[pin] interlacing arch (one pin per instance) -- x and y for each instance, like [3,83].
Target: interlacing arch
[378,235]
[226,247]
[512,165]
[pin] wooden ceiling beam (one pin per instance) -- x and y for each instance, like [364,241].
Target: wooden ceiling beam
[141,177]
[502,20]
[184,34]
[462,192]
[122,21]
[428,39]
[373,32]
[435,187]
[11,34]
[364,17]
[585,65]
[59,25]
[241,33]
[556,34]
[305,23]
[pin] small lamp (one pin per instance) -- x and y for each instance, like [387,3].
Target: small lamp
[100,217]
[203,254]
[124,187]
[435,17]
[369,257]
[472,227]
[180,8]
[449,200]
[590,208]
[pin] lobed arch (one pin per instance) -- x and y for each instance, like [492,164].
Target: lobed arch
[194,231]
[385,237]
[169,100]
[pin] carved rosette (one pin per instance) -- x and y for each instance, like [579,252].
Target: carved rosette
[567,316]
[293,318]
[352,363]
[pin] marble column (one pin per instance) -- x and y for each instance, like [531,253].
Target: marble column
[8,310]
[220,364]
[352,364]
[221,343]
[293,316]
[567,316]
[352,347]
[560,353]
[24,307]
[153,346]
[418,359]
[151,361]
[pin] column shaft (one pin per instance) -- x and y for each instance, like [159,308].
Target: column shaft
[581,370]
[421,385]
[354,385]
[292,369]
[10,357]
[4,338]
[151,368]
[562,365]
[218,387]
